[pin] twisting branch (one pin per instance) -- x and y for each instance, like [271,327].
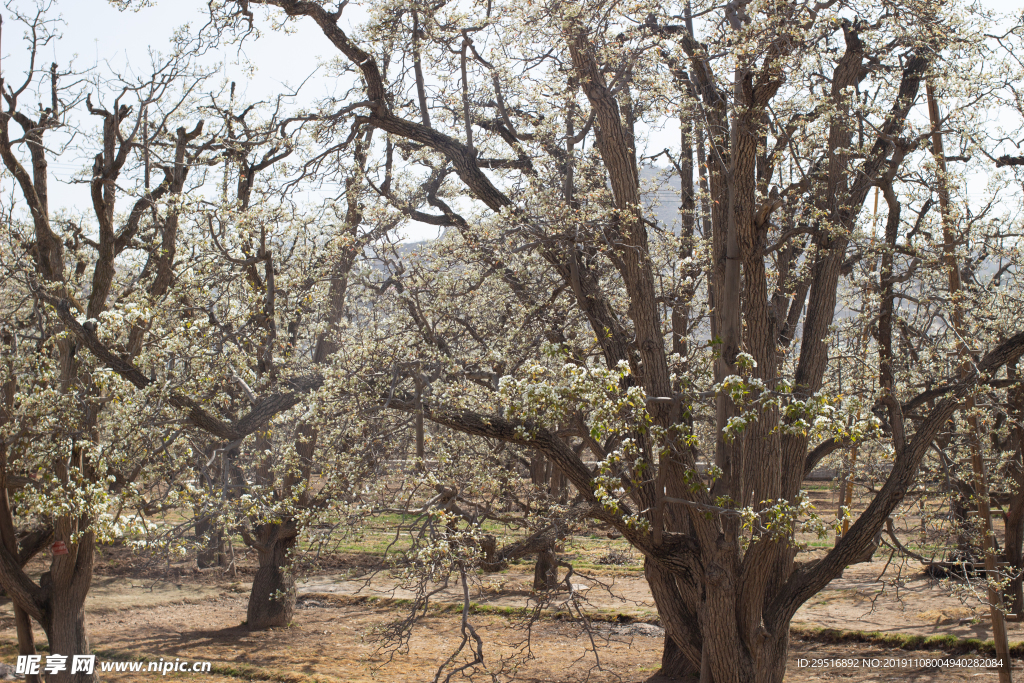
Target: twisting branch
[260,414]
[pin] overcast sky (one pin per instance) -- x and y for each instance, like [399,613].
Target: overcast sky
[95,33]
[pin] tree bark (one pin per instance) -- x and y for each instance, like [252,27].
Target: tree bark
[675,665]
[22,622]
[66,586]
[706,639]
[272,600]
[545,572]
[1015,555]
[212,554]
[1014,524]
[67,635]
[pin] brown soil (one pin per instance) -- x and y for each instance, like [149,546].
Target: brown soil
[331,643]
[876,597]
[155,611]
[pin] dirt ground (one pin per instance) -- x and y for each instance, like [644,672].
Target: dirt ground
[330,642]
[199,616]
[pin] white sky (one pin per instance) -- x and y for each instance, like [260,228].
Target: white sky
[96,33]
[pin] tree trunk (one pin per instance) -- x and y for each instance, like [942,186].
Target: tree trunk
[489,548]
[703,636]
[559,488]
[8,536]
[960,514]
[675,665]
[212,554]
[67,584]
[26,640]
[545,572]
[272,600]
[1014,524]
[22,622]
[1014,552]
[67,636]
[771,662]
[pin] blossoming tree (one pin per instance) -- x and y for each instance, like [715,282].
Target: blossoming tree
[525,123]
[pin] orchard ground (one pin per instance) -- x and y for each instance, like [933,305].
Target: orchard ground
[884,610]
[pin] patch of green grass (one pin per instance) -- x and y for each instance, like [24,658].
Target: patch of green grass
[581,565]
[903,641]
[449,608]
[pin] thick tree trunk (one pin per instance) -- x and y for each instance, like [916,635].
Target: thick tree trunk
[212,553]
[704,637]
[67,585]
[545,572]
[489,547]
[272,600]
[960,513]
[67,636]
[771,662]
[26,640]
[675,665]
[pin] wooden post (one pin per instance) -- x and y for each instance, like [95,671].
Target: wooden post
[848,488]
[421,450]
[659,504]
[145,145]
